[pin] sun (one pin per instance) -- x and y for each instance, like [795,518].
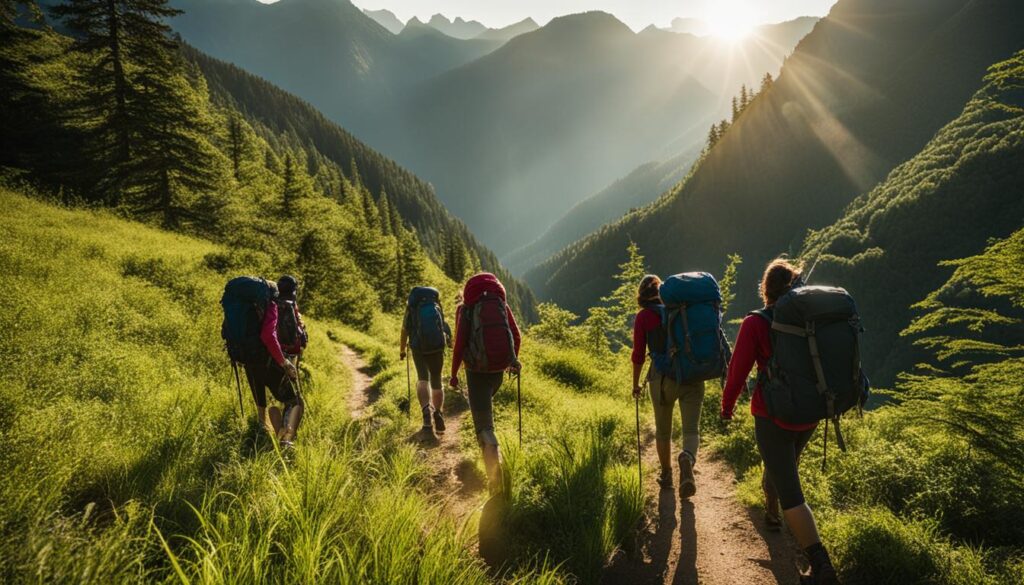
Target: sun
[729,20]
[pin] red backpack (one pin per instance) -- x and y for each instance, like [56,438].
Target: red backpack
[490,346]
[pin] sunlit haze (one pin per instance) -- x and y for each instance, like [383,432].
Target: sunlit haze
[725,18]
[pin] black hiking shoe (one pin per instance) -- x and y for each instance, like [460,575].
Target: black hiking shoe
[772,521]
[822,571]
[439,422]
[687,483]
[665,479]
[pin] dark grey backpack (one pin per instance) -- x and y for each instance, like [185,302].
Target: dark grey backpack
[815,372]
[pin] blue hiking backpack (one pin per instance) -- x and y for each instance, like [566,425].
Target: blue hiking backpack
[695,347]
[428,332]
[245,302]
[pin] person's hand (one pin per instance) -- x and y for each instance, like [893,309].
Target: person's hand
[725,416]
[515,368]
[401,354]
[453,382]
[289,369]
[637,390]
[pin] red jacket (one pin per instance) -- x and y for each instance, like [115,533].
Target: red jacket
[753,345]
[268,333]
[646,321]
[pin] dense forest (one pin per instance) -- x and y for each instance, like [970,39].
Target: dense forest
[251,165]
[965,187]
[863,92]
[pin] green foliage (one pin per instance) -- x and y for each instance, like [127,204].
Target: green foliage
[947,202]
[124,459]
[728,282]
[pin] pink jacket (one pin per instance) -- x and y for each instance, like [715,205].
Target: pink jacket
[268,334]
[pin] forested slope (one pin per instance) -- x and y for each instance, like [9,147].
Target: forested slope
[284,114]
[862,93]
[965,187]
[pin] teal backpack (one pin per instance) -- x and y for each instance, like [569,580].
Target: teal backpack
[694,347]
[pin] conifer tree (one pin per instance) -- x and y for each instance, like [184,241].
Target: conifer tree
[118,36]
[744,98]
[370,214]
[766,82]
[296,185]
[385,214]
[236,144]
[735,109]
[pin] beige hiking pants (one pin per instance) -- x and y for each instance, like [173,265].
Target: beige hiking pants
[665,392]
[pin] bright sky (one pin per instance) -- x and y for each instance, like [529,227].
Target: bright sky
[638,14]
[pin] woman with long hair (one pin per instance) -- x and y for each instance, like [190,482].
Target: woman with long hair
[779,443]
[665,392]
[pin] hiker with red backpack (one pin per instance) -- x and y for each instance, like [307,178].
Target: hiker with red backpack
[680,325]
[263,331]
[805,345]
[426,333]
[487,340]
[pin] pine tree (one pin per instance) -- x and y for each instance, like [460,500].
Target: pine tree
[766,82]
[370,213]
[385,214]
[236,144]
[744,98]
[119,36]
[735,109]
[296,185]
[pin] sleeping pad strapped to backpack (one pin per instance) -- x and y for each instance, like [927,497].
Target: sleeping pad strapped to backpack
[490,346]
[815,370]
[245,303]
[428,333]
[695,348]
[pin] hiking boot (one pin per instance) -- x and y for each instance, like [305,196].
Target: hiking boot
[428,419]
[772,521]
[687,483]
[439,422]
[822,571]
[665,479]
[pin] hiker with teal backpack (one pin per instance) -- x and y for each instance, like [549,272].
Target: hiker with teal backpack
[679,325]
[487,340]
[805,343]
[263,331]
[426,333]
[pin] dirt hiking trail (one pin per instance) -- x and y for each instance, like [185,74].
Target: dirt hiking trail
[454,478]
[710,539]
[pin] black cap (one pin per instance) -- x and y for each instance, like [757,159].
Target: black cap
[286,286]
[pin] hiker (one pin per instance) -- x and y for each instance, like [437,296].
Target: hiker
[779,443]
[426,333]
[487,339]
[263,331]
[650,334]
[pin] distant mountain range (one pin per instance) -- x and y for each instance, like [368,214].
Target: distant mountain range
[511,133]
[863,92]
[458,28]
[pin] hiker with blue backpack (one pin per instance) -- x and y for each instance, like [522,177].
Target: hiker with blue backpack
[425,332]
[805,343]
[679,325]
[263,331]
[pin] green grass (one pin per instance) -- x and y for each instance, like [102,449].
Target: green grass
[125,456]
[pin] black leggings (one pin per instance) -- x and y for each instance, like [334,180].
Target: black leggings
[780,450]
[428,367]
[266,375]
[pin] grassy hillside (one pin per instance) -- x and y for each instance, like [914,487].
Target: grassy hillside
[965,187]
[862,93]
[124,454]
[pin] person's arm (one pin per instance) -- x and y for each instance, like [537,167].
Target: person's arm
[460,344]
[743,359]
[639,347]
[268,334]
[403,339]
[516,337]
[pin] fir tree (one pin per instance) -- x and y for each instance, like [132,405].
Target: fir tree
[735,109]
[385,214]
[766,82]
[119,36]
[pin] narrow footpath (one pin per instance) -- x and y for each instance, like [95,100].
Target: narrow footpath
[710,539]
[454,478]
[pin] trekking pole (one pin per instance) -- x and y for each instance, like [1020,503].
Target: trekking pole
[519,402]
[639,457]
[238,384]
[408,388]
